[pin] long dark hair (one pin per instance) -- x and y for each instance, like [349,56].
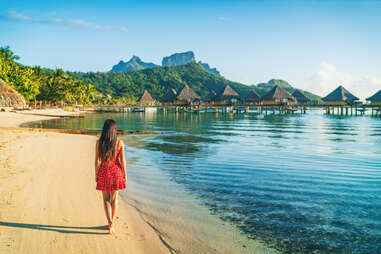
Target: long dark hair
[107,141]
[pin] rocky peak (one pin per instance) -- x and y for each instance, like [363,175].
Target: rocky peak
[209,69]
[178,59]
[135,63]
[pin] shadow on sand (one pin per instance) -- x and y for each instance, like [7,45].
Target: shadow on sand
[60,229]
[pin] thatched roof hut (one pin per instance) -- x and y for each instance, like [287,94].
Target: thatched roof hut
[188,95]
[375,98]
[9,97]
[253,96]
[277,95]
[228,94]
[146,99]
[170,96]
[300,96]
[340,96]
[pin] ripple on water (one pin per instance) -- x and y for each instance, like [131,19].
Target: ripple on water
[297,184]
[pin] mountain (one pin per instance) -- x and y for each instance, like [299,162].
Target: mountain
[178,59]
[135,63]
[263,88]
[209,69]
[158,81]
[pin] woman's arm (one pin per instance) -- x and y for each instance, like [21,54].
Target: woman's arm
[97,161]
[123,160]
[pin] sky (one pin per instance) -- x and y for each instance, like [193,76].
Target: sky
[314,45]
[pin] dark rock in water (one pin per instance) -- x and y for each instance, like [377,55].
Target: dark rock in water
[178,59]
[9,97]
[135,63]
[209,69]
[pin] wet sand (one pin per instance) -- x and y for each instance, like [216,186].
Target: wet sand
[48,201]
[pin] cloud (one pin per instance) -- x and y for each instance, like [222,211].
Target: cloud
[328,77]
[79,23]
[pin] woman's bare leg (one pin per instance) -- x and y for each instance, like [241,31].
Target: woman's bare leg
[114,206]
[107,207]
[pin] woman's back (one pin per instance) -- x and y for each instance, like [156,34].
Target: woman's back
[115,158]
[110,175]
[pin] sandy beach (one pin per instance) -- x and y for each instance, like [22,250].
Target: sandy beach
[48,201]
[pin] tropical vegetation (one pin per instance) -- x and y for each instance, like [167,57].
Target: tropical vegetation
[36,83]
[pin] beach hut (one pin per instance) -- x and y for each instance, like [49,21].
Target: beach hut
[252,98]
[340,96]
[146,99]
[375,99]
[9,97]
[278,96]
[300,97]
[187,96]
[228,97]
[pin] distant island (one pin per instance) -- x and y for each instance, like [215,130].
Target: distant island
[135,63]
[126,81]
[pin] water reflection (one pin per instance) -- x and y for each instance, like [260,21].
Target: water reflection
[301,184]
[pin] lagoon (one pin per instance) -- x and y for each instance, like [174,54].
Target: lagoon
[245,183]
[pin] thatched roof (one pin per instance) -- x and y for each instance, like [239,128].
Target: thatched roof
[146,98]
[9,97]
[253,96]
[300,96]
[228,94]
[170,96]
[278,93]
[187,94]
[375,97]
[340,94]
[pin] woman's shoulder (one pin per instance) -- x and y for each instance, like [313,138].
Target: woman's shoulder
[120,142]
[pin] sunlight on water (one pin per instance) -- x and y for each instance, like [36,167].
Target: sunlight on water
[235,183]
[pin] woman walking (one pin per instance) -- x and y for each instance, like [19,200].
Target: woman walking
[110,169]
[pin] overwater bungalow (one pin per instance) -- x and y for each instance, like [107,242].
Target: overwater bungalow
[252,98]
[228,97]
[301,98]
[278,96]
[187,97]
[146,100]
[375,99]
[340,96]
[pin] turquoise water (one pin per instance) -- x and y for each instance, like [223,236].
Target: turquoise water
[295,184]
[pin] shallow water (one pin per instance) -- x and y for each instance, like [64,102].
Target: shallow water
[235,183]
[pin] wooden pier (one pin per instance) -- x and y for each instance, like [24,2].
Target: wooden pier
[339,110]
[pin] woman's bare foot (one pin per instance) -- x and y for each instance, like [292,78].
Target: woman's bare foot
[110,228]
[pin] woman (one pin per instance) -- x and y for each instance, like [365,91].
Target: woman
[110,169]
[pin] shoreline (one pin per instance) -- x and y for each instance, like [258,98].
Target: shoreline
[45,209]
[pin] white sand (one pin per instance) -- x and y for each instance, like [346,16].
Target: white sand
[48,201]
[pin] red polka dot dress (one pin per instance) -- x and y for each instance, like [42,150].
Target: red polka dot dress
[110,175]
